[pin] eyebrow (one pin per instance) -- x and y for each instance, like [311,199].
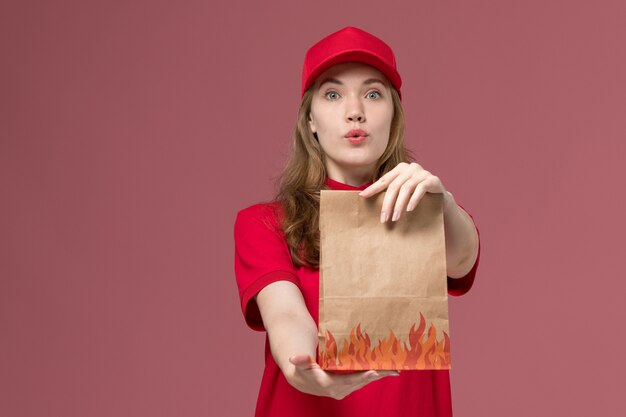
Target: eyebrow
[336,81]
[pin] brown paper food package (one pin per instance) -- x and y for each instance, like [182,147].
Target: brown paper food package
[383,288]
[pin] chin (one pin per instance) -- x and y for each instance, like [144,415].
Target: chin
[358,162]
[361,156]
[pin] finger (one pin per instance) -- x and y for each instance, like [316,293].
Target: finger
[347,384]
[381,183]
[361,377]
[382,374]
[415,164]
[373,377]
[416,197]
[419,192]
[354,379]
[364,381]
[391,195]
[406,192]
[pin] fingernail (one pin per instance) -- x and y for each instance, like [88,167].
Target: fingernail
[396,216]
[383,217]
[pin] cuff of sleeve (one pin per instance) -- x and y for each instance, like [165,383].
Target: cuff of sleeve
[249,306]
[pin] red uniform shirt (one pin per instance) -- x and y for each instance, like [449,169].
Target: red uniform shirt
[262,257]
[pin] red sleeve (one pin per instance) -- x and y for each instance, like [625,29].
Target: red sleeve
[261,257]
[459,286]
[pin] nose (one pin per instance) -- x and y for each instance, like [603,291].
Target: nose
[354,110]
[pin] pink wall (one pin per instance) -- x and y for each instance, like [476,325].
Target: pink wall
[130,134]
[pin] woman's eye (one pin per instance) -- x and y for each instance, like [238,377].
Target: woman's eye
[333,94]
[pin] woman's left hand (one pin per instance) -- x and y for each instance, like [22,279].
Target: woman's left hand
[405,185]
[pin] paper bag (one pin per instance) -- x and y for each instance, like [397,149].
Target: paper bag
[383,289]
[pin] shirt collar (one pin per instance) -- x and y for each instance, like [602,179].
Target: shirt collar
[336,185]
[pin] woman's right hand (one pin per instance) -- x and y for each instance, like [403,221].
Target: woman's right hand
[290,329]
[308,377]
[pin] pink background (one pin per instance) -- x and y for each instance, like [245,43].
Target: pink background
[132,132]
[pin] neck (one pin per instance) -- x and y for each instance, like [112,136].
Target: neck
[354,178]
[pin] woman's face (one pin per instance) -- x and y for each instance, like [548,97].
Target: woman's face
[350,96]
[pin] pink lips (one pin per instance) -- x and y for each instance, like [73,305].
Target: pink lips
[356,136]
[355,140]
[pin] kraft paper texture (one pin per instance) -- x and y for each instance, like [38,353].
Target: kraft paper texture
[383,288]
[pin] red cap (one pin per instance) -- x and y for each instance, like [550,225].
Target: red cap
[346,45]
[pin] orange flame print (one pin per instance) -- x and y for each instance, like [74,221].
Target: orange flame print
[357,353]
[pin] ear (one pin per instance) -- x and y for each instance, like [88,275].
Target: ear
[311,124]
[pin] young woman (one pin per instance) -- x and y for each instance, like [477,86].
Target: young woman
[348,136]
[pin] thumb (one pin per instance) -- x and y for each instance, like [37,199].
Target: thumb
[301,361]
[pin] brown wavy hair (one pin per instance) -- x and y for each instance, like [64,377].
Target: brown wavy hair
[303,176]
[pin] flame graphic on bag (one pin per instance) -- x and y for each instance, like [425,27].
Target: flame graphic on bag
[423,352]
